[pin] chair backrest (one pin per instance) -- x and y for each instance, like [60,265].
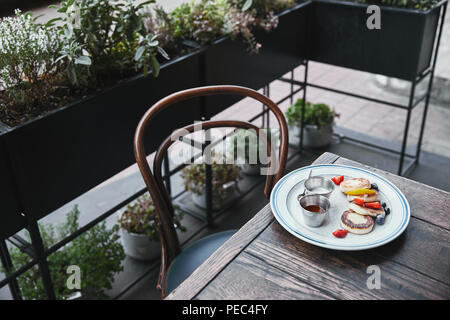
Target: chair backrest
[154,181]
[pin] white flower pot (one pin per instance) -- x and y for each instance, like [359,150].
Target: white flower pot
[139,246]
[313,137]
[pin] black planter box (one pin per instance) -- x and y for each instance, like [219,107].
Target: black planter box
[11,220]
[402,48]
[62,154]
[7,7]
[283,49]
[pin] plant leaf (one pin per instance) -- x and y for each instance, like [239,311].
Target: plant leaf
[139,53]
[163,53]
[154,64]
[84,60]
[247,5]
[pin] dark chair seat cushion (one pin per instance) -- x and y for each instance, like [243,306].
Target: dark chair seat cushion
[193,256]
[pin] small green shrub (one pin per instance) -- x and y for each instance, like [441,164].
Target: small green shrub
[158,22]
[30,66]
[112,33]
[97,252]
[245,16]
[201,21]
[315,114]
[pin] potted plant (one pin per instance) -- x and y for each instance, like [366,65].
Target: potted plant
[224,179]
[402,47]
[245,147]
[139,229]
[97,252]
[318,120]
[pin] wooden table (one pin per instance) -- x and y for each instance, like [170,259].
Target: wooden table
[263,261]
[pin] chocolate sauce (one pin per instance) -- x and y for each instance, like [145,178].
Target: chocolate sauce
[314,208]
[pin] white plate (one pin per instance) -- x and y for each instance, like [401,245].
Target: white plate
[287,210]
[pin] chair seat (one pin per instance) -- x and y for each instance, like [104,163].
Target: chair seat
[193,256]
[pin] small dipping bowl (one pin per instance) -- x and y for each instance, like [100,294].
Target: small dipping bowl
[319,185]
[314,219]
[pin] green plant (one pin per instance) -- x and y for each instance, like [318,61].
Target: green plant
[315,114]
[97,252]
[201,21]
[194,177]
[113,35]
[141,217]
[158,22]
[243,16]
[30,67]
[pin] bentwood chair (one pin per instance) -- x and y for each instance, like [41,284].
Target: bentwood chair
[178,264]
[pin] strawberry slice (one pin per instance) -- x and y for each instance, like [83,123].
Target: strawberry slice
[373,205]
[340,233]
[337,180]
[359,201]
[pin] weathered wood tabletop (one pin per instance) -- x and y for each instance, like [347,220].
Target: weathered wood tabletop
[263,261]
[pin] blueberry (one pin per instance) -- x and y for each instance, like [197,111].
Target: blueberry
[383,204]
[380,219]
[387,211]
[374,186]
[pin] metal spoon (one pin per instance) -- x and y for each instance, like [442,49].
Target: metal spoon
[304,189]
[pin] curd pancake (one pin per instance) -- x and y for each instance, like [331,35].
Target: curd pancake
[354,183]
[356,223]
[365,211]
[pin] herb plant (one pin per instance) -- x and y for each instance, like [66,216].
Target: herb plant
[140,217]
[245,16]
[201,21]
[113,35]
[315,114]
[194,177]
[97,252]
[30,66]
[159,23]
